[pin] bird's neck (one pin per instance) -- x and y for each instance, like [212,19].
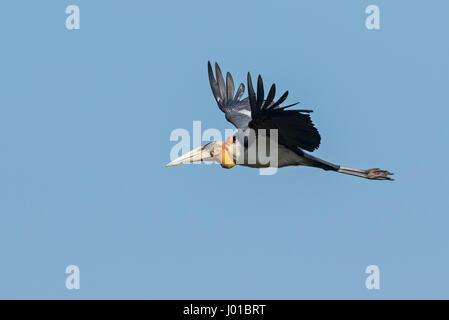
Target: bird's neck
[226,160]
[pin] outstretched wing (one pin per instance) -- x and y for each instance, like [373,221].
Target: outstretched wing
[237,111]
[295,128]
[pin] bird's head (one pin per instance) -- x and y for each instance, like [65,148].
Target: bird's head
[215,151]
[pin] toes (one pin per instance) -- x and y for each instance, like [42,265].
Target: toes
[378,174]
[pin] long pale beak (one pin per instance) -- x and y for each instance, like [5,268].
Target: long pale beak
[198,154]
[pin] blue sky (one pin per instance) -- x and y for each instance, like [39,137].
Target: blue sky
[85,121]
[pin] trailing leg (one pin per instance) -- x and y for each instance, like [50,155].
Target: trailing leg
[372,174]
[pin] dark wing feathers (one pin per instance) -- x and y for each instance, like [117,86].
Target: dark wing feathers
[229,86]
[221,84]
[295,128]
[251,96]
[236,110]
[214,86]
[260,93]
[270,97]
[239,93]
[280,100]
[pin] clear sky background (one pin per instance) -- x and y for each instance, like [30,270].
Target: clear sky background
[85,121]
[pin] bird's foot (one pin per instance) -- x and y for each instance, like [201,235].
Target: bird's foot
[378,174]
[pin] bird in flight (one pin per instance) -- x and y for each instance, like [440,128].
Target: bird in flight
[255,117]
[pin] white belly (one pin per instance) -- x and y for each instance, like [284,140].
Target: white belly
[264,158]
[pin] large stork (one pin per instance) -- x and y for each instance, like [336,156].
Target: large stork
[296,133]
